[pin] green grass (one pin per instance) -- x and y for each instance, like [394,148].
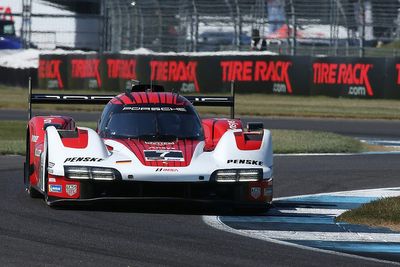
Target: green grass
[384,212]
[12,137]
[246,104]
[12,140]
[287,141]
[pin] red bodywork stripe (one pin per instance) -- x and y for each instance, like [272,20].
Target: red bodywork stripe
[138,146]
[244,143]
[153,98]
[143,96]
[77,142]
[137,98]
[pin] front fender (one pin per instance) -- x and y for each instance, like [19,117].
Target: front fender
[227,151]
[59,154]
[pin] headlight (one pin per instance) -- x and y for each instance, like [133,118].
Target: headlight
[226,176]
[250,175]
[77,172]
[95,173]
[238,175]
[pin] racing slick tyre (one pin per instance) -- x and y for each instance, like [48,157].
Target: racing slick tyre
[33,193]
[47,199]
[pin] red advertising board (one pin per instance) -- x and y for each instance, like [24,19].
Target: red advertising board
[299,75]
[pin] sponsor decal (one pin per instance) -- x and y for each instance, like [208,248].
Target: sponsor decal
[255,192]
[34,138]
[55,188]
[38,152]
[50,69]
[52,180]
[163,109]
[255,71]
[86,68]
[166,170]
[47,120]
[163,155]
[71,189]
[244,161]
[161,148]
[121,68]
[123,161]
[233,125]
[6,13]
[82,159]
[355,75]
[50,168]
[174,71]
[159,143]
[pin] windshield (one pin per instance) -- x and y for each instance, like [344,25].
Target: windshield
[183,124]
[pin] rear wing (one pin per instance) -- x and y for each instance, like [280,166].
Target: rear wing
[215,101]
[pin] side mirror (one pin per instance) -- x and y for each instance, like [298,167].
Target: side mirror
[255,126]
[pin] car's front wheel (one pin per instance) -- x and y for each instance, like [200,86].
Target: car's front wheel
[33,193]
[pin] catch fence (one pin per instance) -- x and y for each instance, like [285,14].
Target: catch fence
[293,27]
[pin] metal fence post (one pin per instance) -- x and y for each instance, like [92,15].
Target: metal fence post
[294,30]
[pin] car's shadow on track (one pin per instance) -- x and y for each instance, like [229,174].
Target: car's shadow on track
[160,207]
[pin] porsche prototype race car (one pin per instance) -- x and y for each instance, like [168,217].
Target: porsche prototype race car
[149,144]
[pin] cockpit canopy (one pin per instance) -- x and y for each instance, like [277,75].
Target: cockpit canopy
[163,122]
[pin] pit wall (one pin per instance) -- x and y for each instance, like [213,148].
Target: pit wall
[293,75]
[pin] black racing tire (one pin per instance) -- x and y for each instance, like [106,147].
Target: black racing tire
[27,160]
[47,199]
[32,192]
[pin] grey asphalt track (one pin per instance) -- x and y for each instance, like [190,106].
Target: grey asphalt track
[161,234]
[31,234]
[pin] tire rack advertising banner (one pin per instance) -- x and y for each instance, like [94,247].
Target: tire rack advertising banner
[178,73]
[197,74]
[299,75]
[392,80]
[354,77]
[53,72]
[265,74]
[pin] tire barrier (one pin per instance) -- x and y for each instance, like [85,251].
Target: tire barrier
[252,73]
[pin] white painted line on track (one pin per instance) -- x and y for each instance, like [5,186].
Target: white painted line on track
[332,212]
[328,236]
[373,193]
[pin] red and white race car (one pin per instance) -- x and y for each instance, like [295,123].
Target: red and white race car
[149,144]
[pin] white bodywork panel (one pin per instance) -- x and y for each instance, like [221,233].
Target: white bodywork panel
[202,163]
